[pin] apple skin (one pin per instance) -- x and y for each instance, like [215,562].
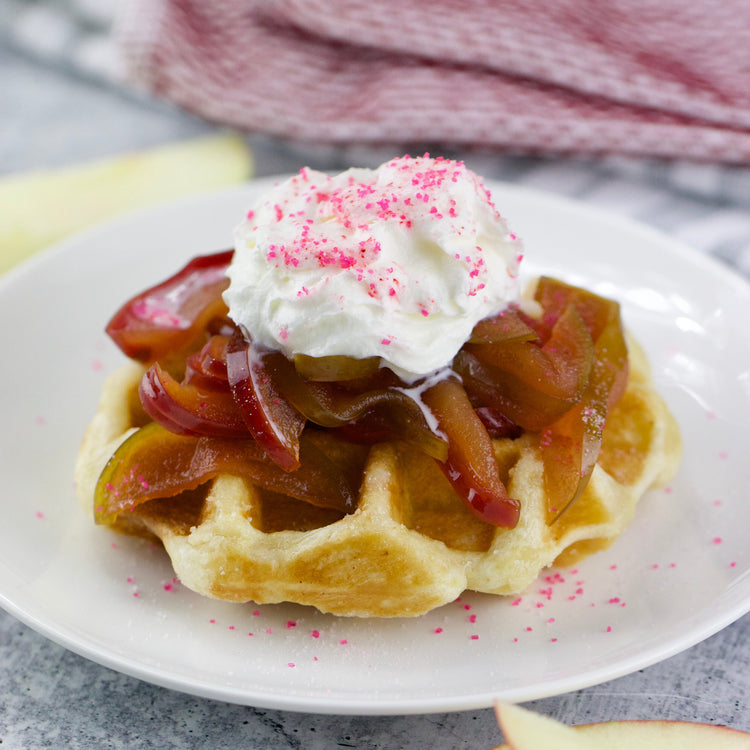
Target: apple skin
[666,735]
[525,730]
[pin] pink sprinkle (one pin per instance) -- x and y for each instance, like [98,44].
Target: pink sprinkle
[291,664]
[717,540]
[529,629]
[256,613]
[130,579]
[315,634]
[613,567]
[551,620]
[343,641]
[467,606]
[475,637]
[553,640]
[732,564]
[438,630]
[385,342]
[614,600]
[269,631]
[291,624]
[231,627]
[472,618]
[212,621]
[39,514]
[515,602]
[609,629]
[167,586]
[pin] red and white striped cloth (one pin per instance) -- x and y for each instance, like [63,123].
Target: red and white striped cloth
[661,78]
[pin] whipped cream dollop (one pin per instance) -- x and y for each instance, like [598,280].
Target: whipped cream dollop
[399,263]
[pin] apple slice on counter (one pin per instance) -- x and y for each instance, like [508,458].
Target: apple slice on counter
[41,207]
[526,730]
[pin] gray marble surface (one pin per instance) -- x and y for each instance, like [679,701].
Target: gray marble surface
[55,113]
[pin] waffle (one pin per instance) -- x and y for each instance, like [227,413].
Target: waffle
[411,545]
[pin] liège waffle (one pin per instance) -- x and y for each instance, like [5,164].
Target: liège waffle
[411,545]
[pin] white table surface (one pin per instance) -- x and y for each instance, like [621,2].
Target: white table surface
[57,108]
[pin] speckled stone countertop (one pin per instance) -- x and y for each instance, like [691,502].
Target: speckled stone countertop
[50,697]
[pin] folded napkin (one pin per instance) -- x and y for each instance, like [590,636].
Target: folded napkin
[41,207]
[637,77]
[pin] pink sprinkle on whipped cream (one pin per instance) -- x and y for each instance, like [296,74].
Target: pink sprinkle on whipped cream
[416,198]
[399,262]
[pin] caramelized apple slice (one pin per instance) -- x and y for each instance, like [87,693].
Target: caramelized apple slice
[571,445]
[559,368]
[498,426]
[170,316]
[471,466]
[334,368]
[209,365]
[154,463]
[391,421]
[376,412]
[534,384]
[508,325]
[188,409]
[480,382]
[271,419]
[554,296]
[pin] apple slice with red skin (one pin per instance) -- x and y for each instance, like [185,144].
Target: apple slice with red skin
[471,466]
[167,318]
[188,409]
[209,365]
[526,730]
[271,419]
[498,426]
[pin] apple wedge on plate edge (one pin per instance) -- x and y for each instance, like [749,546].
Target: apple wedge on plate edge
[526,730]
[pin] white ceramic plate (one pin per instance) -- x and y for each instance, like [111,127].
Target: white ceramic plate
[679,574]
